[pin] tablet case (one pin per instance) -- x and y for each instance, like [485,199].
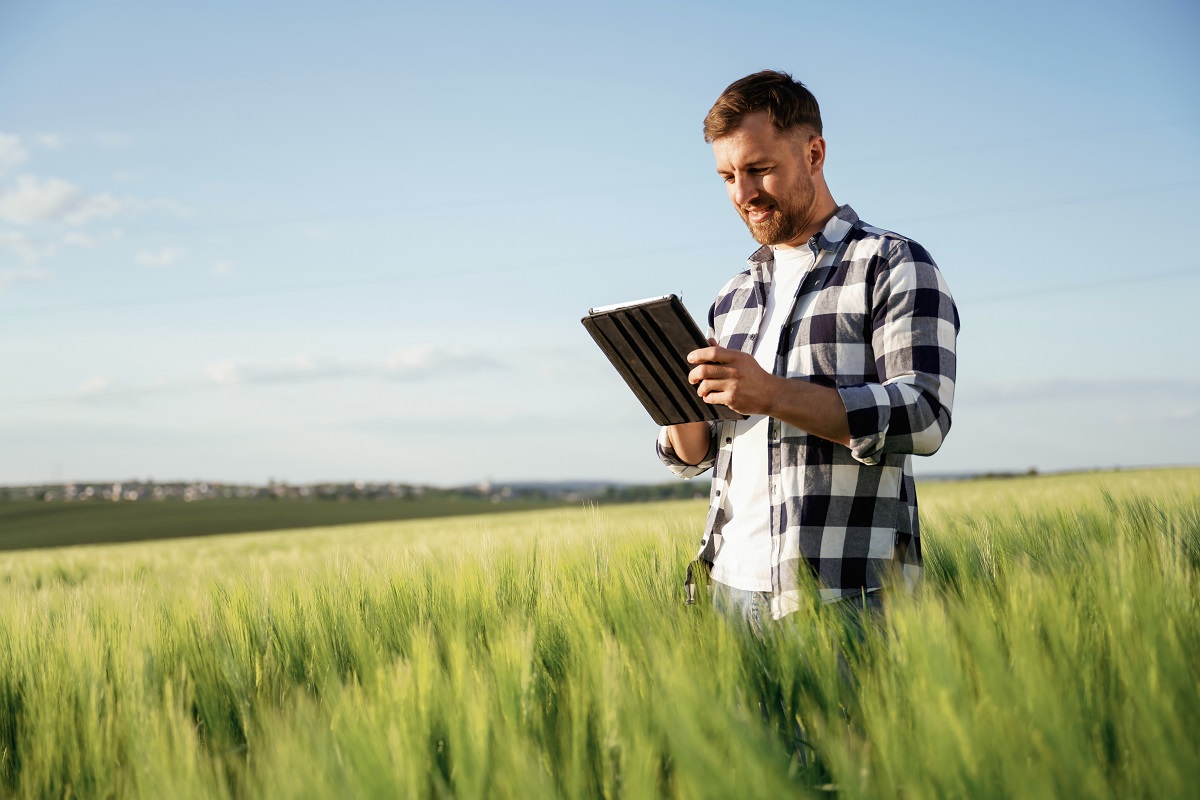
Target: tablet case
[648,342]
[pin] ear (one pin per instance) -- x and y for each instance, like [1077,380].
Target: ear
[816,154]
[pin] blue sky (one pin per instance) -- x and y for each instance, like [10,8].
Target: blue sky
[316,241]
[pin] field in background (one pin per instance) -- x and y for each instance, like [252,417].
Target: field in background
[57,524]
[1055,652]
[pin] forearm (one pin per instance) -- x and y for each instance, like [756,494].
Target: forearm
[736,380]
[687,450]
[819,410]
[690,441]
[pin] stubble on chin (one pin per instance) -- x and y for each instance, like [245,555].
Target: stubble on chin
[778,229]
[792,213]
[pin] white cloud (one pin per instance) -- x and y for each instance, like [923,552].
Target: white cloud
[41,200]
[31,249]
[26,248]
[222,372]
[302,362]
[12,152]
[230,372]
[113,141]
[163,204]
[92,241]
[95,384]
[415,357]
[11,277]
[163,257]
[1182,414]
[96,206]
[410,363]
[222,267]
[50,141]
[1084,391]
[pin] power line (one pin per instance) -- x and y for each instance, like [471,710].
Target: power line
[540,197]
[367,280]
[393,277]
[1070,200]
[1125,280]
[336,373]
[1025,141]
[187,387]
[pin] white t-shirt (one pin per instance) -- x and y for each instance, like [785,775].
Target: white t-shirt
[744,560]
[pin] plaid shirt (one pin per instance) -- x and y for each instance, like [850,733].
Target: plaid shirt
[881,330]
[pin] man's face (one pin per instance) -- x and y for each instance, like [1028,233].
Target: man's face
[769,178]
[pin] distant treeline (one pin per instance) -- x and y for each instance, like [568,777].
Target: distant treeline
[76,514]
[676,490]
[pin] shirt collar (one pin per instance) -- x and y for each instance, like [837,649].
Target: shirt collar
[830,237]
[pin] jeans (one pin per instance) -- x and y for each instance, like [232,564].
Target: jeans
[753,609]
[742,606]
[749,611]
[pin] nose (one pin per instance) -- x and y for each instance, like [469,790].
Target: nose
[744,189]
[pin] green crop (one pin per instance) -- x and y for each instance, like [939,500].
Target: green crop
[1054,652]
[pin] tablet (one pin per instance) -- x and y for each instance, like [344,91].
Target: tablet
[647,342]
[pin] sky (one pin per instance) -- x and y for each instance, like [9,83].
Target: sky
[299,241]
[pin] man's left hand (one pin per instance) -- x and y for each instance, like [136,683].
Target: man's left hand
[732,378]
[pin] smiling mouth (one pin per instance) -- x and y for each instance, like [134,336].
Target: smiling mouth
[758,215]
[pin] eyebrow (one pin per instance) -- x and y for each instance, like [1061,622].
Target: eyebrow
[764,162]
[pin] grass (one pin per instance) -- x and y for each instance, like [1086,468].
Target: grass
[1054,652]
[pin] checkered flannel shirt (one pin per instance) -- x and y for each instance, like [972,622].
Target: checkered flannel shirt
[881,330]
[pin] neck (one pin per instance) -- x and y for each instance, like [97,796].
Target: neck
[824,209]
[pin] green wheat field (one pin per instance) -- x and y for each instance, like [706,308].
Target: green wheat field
[1054,652]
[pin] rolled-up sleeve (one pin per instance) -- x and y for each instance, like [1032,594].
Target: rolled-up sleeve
[914,326]
[680,468]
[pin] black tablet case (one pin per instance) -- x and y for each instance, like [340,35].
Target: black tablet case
[648,344]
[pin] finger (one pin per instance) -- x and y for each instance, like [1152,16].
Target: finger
[716,385]
[709,372]
[712,355]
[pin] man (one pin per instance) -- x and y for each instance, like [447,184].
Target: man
[839,343]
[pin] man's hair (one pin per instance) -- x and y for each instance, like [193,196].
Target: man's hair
[789,105]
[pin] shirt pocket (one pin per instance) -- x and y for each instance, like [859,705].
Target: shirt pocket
[829,341]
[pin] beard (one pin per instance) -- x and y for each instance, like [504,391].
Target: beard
[790,215]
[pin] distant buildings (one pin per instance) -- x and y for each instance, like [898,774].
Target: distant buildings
[150,491]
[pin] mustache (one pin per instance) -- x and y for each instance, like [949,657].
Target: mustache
[758,205]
